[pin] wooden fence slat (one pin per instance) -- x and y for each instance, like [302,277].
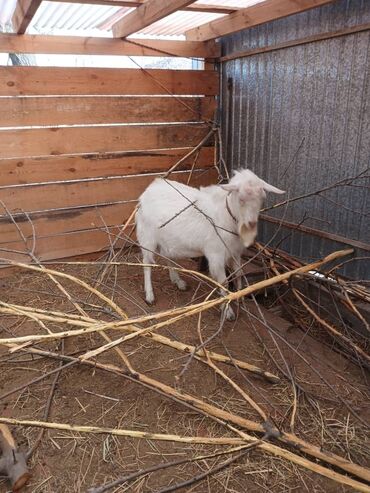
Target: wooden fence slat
[83,193]
[47,224]
[58,168]
[74,140]
[68,245]
[73,232]
[42,81]
[55,111]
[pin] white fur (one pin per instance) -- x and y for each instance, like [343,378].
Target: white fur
[192,232]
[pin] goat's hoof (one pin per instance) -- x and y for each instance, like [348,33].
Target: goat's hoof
[182,286]
[230,315]
[150,300]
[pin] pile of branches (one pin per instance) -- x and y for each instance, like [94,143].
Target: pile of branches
[323,304]
[262,434]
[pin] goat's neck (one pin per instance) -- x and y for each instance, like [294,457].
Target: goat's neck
[230,212]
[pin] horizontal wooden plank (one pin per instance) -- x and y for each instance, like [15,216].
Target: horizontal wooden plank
[59,168]
[36,111]
[84,193]
[47,224]
[41,81]
[73,232]
[62,246]
[74,140]
[78,45]
[251,16]
[317,232]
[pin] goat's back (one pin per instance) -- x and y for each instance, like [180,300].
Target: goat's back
[168,218]
[163,199]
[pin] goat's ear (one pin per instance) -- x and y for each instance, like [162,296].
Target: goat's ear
[271,188]
[230,188]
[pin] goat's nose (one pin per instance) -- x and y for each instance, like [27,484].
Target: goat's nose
[252,224]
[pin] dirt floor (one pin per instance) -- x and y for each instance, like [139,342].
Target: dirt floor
[68,461]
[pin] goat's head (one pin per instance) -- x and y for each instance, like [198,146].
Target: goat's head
[247,192]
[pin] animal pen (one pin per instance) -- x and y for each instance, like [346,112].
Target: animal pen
[101,392]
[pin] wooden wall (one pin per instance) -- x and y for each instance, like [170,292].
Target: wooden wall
[79,145]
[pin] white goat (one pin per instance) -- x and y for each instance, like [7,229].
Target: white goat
[217,222]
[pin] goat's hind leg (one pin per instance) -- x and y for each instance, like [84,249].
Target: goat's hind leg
[174,275]
[176,279]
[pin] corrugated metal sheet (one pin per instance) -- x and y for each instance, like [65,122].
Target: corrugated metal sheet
[72,18]
[315,98]
[97,20]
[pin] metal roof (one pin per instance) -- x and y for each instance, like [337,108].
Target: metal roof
[97,20]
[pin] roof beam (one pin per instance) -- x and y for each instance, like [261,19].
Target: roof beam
[197,7]
[23,14]
[260,13]
[145,15]
[77,45]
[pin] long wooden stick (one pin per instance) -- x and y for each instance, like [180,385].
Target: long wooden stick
[125,433]
[220,414]
[184,311]
[268,447]
[76,320]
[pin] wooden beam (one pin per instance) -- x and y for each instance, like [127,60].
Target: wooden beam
[197,7]
[90,193]
[76,167]
[25,111]
[145,15]
[91,139]
[23,14]
[59,81]
[47,224]
[317,232]
[77,45]
[260,13]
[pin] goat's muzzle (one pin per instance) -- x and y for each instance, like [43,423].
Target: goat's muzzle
[247,233]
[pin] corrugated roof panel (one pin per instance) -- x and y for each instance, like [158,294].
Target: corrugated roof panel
[71,18]
[96,20]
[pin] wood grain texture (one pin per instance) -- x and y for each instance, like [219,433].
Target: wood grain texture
[260,13]
[73,140]
[67,245]
[78,45]
[45,81]
[145,15]
[35,111]
[47,224]
[58,168]
[86,193]
[66,233]
[23,14]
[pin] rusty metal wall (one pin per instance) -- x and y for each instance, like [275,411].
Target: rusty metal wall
[299,117]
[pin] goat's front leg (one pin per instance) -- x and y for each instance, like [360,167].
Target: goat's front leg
[235,266]
[217,271]
[148,258]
